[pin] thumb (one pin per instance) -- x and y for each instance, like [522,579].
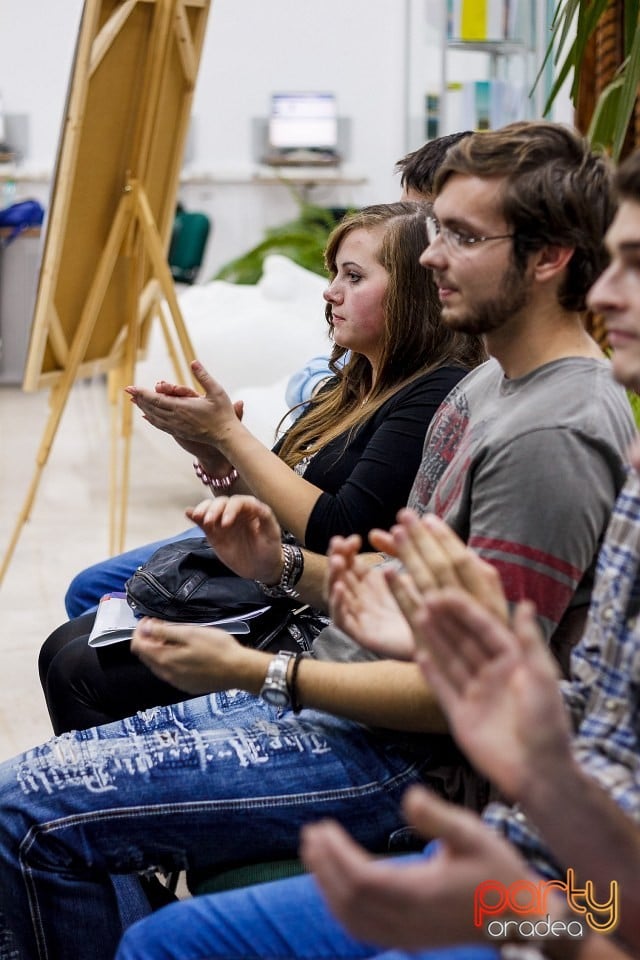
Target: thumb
[462,830]
[238,406]
[204,378]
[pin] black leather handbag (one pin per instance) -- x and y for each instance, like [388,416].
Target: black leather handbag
[186,582]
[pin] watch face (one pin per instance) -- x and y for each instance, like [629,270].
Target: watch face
[274,689]
[275,697]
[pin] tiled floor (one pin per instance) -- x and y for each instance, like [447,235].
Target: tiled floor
[68,527]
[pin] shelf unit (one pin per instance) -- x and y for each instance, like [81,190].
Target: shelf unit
[491,79]
[436,56]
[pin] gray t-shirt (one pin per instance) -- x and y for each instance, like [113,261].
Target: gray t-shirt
[526,471]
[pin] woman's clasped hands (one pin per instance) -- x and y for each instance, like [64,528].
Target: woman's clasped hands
[197,421]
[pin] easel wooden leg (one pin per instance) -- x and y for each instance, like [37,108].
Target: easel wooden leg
[182,374]
[162,272]
[120,465]
[114,396]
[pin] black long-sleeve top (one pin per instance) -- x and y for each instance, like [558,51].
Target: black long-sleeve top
[367,479]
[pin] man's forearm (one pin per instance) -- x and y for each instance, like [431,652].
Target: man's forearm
[381,693]
[312,585]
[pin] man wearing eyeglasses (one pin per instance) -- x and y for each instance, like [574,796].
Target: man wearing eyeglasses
[525,456]
[522,459]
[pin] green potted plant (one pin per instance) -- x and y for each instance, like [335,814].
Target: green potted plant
[614,107]
[303,240]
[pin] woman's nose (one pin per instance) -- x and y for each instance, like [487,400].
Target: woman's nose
[332,294]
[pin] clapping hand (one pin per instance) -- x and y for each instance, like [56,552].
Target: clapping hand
[421,903]
[197,422]
[361,603]
[194,659]
[244,533]
[498,686]
[432,556]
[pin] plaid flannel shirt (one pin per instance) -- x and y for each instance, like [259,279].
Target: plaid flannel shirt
[603,694]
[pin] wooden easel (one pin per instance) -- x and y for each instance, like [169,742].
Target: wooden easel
[104,273]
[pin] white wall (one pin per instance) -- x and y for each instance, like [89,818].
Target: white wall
[252,47]
[37,41]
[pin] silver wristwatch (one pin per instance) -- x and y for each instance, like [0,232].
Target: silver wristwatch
[274,690]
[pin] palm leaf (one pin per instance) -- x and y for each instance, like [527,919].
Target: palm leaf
[299,247]
[614,109]
[631,12]
[553,49]
[603,124]
[588,17]
[303,240]
[567,65]
[628,95]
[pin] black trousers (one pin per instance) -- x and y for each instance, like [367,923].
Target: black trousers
[85,687]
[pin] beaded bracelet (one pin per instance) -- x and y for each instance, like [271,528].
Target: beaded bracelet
[215,484]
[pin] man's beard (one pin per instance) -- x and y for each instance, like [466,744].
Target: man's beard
[492,314]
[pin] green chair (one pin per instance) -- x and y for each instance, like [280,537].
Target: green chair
[188,242]
[241,875]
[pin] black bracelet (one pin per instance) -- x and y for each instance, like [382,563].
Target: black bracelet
[296,706]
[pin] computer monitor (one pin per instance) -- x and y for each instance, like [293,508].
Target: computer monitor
[303,121]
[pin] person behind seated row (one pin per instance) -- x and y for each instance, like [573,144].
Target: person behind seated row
[417,170]
[504,437]
[175,787]
[346,465]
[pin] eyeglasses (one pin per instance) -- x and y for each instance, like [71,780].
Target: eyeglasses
[455,240]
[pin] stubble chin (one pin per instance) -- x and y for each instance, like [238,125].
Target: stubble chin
[464,323]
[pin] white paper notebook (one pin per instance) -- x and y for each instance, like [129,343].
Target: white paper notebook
[115,621]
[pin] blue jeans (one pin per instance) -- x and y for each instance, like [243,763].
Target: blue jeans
[285,920]
[109,576]
[212,780]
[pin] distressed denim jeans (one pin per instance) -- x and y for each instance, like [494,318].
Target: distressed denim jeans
[212,780]
[285,920]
